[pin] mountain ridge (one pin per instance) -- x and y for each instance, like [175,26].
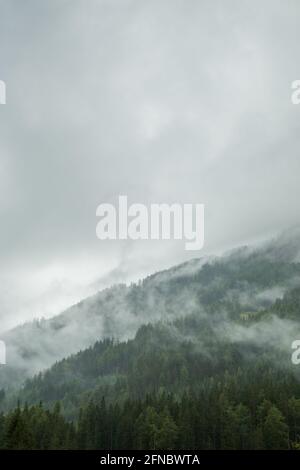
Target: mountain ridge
[248,278]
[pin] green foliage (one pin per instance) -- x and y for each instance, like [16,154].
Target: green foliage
[240,410]
[178,384]
[35,428]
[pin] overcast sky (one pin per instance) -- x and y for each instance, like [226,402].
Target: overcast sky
[162,100]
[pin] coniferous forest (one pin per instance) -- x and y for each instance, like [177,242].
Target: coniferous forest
[214,375]
[237,411]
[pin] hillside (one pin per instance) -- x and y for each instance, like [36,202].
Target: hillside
[198,356]
[199,382]
[243,282]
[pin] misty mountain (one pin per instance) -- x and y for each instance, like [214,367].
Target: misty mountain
[170,357]
[241,284]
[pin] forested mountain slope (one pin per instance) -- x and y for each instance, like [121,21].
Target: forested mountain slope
[169,357]
[247,280]
[198,356]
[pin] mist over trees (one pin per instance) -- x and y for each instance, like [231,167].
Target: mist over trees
[247,281]
[196,357]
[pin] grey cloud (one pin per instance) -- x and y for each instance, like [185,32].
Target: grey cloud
[163,101]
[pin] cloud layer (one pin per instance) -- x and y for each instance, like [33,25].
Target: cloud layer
[165,101]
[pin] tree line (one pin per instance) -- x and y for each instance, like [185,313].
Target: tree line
[253,409]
